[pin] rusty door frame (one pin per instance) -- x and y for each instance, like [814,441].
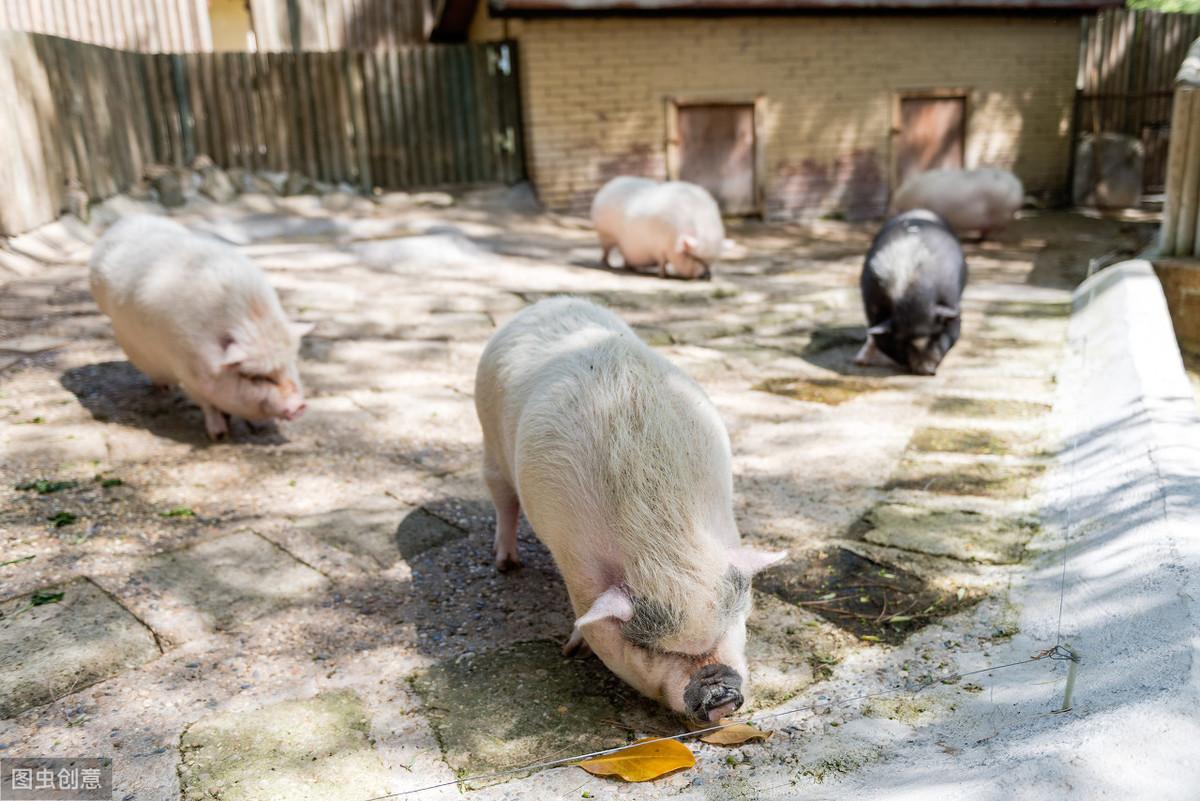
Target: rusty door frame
[756,100]
[921,93]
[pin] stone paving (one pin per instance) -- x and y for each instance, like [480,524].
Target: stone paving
[310,611]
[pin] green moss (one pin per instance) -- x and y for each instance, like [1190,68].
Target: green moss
[982,478]
[517,704]
[959,440]
[1027,310]
[987,407]
[829,391]
[964,534]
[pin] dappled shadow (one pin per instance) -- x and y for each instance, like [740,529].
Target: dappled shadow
[117,392]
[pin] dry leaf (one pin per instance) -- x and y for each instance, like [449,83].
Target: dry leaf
[641,763]
[735,734]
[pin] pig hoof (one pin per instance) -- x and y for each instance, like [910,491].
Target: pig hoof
[577,645]
[714,691]
[507,564]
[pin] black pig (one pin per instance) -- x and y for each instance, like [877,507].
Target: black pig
[912,284]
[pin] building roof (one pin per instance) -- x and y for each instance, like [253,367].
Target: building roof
[533,7]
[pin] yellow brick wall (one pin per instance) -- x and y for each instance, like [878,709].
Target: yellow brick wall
[596,92]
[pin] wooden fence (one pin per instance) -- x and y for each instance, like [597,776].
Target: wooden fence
[145,25]
[409,117]
[185,26]
[1180,234]
[1127,66]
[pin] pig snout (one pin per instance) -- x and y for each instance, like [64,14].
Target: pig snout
[713,692]
[293,408]
[923,366]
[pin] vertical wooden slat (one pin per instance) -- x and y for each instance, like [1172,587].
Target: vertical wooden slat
[400,96]
[254,98]
[303,100]
[339,77]
[422,119]
[321,131]
[438,135]
[484,111]
[370,96]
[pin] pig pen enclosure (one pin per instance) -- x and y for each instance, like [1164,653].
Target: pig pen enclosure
[310,610]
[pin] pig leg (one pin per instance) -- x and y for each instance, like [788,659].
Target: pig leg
[871,356]
[216,422]
[662,269]
[508,509]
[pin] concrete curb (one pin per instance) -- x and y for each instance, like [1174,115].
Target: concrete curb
[1125,494]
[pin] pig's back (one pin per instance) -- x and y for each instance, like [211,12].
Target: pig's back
[917,251]
[676,208]
[605,441]
[609,205]
[171,293]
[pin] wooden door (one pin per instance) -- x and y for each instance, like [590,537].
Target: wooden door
[716,151]
[931,134]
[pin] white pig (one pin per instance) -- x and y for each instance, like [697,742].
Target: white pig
[659,224]
[622,466]
[982,200]
[193,312]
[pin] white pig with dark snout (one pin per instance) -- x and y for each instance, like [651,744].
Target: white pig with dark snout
[622,466]
[981,200]
[193,312]
[659,224]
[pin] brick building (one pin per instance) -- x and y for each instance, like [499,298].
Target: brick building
[788,108]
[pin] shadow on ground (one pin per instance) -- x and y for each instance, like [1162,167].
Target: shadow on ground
[116,392]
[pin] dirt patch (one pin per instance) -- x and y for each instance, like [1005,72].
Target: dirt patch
[963,440]
[829,391]
[980,478]
[873,600]
[965,534]
[987,407]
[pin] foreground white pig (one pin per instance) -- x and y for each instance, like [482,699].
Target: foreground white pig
[194,312]
[659,224]
[982,200]
[622,466]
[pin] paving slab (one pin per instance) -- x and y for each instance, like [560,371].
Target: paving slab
[993,479]
[514,705]
[220,584]
[958,406]
[968,440]
[317,749]
[967,534]
[49,648]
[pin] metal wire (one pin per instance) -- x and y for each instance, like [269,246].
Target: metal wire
[1056,652]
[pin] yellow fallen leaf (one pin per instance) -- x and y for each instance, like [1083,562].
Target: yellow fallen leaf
[735,734]
[641,763]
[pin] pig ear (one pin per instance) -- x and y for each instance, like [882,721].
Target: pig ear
[234,355]
[946,312]
[750,560]
[881,328]
[687,244]
[613,602]
[300,330]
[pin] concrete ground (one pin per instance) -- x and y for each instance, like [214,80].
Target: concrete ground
[310,612]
